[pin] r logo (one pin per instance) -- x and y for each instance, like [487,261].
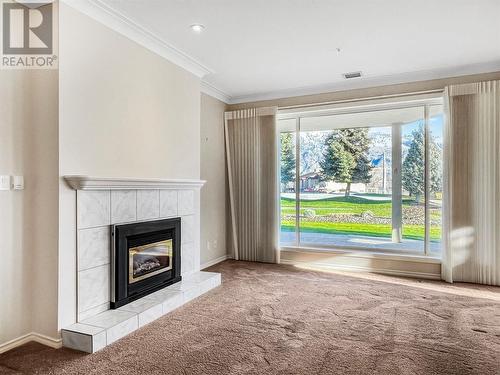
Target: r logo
[27,29]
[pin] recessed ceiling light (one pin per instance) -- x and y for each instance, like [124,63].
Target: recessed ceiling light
[197,27]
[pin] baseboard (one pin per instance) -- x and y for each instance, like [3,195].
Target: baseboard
[52,342]
[352,268]
[214,261]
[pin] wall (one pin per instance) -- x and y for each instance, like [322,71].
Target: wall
[124,112]
[28,218]
[213,170]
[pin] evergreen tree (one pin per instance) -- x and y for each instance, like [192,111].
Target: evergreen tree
[287,158]
[345,158]
[413,173]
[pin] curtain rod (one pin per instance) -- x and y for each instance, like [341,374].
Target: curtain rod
[436,91]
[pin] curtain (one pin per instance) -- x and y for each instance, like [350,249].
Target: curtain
[471,250]
[251,151]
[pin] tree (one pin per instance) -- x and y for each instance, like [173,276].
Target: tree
[345,158]
[287,158]
[413,173]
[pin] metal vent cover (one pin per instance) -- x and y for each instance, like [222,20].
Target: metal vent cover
[351,75]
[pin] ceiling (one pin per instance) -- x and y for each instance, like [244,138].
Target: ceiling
[259,49]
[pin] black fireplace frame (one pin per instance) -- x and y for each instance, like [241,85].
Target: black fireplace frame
[125,236]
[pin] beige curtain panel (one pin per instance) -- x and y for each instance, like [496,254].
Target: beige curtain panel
[251,149]
[472,184]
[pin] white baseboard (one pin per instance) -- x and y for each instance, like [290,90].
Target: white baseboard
[352,268]
[214,261]
[52,342]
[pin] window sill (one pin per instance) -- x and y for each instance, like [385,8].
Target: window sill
[364,253]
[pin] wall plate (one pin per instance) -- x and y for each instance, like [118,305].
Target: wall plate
[5,183]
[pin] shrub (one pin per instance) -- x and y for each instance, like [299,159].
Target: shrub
[309,212]
[367,215]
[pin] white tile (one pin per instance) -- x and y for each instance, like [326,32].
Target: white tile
[148,204]
[83,337]
[93,208]
[187,229]
[187,258]
[123,206]
[147,309]
[183,285]
[117,323]
[150,315]
[122,329]
[192,293]
[168,203]
[170,299]
[84,329]
[173,302]
[162,295]
[196,284]
[93,287]
[93,247]
[77,341]
[99,341]
[110,318]
[186,202]
[82,315]
[201,276]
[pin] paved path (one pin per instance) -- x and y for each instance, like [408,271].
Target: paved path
[316,196]
[322,239]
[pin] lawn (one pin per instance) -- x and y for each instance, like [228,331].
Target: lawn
[353,205]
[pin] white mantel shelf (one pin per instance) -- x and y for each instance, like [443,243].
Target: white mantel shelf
[119,183]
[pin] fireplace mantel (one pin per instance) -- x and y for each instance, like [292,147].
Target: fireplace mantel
[119,183]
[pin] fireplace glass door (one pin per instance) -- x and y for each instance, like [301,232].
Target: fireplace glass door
[149,260]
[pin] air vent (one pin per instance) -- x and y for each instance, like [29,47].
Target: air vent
[352,75]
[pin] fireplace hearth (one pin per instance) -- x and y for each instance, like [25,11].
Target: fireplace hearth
[145,258]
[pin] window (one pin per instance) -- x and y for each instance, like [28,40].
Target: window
[364,178]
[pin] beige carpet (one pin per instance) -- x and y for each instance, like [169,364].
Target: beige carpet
[270,319]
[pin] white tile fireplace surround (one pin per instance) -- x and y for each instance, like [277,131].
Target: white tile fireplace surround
[102,202]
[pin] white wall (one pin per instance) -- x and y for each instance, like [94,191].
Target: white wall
[28,218]
[124,112]
[213,170]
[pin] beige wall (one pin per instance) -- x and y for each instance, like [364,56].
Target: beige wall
[368,92]
[28,218]
[124,112]
[213,170]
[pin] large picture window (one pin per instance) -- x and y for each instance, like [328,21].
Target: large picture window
[364,178]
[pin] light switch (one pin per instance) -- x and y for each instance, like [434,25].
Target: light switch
[18,183]
[4,182]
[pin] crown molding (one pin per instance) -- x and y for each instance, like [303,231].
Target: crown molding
[119,183]
[120,23]
[117,21]
[367,82]
[211,90]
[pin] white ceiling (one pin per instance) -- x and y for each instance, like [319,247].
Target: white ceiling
[257,49]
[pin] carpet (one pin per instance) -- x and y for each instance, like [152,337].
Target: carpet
[276,319]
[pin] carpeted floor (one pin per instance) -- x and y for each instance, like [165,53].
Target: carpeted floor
[271,319]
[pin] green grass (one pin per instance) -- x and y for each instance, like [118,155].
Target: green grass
[413,232]
[354,205]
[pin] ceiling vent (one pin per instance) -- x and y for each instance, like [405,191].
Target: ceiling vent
[352,75]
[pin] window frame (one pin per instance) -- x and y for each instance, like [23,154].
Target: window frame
[425,101]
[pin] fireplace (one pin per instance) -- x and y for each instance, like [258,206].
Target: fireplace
[145,258]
